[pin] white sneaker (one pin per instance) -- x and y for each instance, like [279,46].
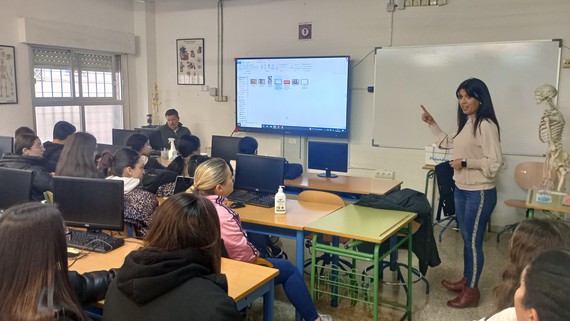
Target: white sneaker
[325,317]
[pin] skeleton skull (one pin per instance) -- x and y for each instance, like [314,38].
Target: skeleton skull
[545,92]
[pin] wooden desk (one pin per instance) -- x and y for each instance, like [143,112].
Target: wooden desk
[246,281]
[345,184]
[369,225]
[554,206]
[291,225]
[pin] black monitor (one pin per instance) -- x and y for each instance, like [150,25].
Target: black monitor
[154,137]
[16,186]
[6,145]
[328,156]
[92,203]
[120,136]
[225,147]
[111,148]
[261,174]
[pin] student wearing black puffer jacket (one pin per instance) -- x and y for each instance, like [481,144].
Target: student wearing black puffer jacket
[176,276]
[28,156]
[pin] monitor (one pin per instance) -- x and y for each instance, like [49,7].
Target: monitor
[225,147]
[329,157]
[16,186]
[120,136]
[154,137]
[92,203]
[111,148]
[262,174]
[6,145]
[301,96]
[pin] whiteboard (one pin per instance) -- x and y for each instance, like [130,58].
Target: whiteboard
[406,77]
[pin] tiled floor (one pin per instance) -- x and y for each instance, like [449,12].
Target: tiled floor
[431,307]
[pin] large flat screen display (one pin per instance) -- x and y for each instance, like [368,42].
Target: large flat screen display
[305,96]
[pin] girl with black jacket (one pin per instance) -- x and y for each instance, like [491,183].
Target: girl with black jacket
[176,276]
[35,283]
[28,156]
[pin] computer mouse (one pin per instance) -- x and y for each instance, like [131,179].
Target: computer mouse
[237,205]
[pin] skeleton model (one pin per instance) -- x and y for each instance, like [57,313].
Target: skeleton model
[550,132]
[155,105]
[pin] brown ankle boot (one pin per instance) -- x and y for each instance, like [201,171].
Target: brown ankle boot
[468,298]
[454,286]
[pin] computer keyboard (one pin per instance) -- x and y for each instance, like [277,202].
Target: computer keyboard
[252,198]
[96,242]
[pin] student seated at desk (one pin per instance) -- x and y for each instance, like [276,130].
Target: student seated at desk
[155,175]
[531,238]
[176,276]
[214,180]
[27,155]
[35,283]
[185,163]
[543,291]
[127,165]
[78,157]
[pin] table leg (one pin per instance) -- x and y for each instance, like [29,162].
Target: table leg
[376,282]
[409,298]
[300,250]
[268,300]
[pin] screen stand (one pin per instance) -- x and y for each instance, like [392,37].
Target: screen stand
[327,174]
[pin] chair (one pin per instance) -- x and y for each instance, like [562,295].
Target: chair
[446,204]
[527,175]
[16,186]
[326,198]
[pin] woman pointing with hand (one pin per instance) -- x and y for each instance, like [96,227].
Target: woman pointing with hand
[476,160]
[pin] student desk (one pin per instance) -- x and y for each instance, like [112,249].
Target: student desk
[345,184]
[263,220]
[365,224]
[246,281]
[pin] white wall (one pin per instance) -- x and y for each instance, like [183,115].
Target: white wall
[114,15]
[267,28]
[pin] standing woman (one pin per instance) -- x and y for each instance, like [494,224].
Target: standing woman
[78,157]
[127,165]
[476,160]
[213,179]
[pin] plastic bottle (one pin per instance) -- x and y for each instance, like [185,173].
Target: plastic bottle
[280,202]
[172,153]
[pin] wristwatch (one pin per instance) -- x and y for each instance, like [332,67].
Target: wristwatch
[464,162]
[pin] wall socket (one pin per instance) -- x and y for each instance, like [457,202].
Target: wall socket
[566,63]
[384,173]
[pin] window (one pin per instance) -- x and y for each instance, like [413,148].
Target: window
[83,88]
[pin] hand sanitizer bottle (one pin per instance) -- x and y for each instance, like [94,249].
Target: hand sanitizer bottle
[280,202]
[172,153]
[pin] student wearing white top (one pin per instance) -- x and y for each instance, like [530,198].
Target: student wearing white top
[139,204]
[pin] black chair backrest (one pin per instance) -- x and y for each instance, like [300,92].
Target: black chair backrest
[6,145]
[15,186]
[446,186]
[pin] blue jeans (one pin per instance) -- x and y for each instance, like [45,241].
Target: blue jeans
[295,288]
[473,211]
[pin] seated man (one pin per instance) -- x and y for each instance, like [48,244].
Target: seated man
[173,128]
[61,131]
